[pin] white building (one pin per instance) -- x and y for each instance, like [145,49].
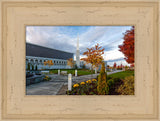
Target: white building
[36,55]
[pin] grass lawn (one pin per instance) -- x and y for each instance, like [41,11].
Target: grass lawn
[72,71]
[122,74]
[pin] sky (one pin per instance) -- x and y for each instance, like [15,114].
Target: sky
[65,38]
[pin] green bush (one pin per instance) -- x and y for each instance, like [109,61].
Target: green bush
[110,82]
[102,87]
[116,79]
[108,77]
[127,88]
[47,78]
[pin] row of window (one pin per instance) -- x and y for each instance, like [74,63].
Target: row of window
[54,62]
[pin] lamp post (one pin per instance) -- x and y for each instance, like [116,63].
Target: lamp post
[69,82]
[58,72]
[75,72]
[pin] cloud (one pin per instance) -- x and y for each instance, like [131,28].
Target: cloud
[114,60]
[118,62]
[49,37]
[65,38]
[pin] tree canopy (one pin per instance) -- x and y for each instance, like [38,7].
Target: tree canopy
[94,55]
[114,65]
[127,48]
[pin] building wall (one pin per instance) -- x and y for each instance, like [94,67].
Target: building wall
[39,61]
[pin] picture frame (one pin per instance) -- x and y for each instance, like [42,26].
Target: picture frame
[16,15]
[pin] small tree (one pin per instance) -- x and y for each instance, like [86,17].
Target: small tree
[32,67]
[36,68]
[83,66]
[70,62]
[28,68]
[102,87]
[114,65]
[94,56]
[121,66]
[75,66]
[118,67]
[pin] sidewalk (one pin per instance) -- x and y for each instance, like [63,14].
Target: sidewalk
[54,86]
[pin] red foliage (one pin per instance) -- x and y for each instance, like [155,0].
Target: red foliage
[127,48]
[121,66]
[118,67]
[114,65]
[132,65]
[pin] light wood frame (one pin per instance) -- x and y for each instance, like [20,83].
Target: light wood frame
[16,14]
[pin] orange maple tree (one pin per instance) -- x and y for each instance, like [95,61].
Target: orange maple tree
[70,62]
[94,55]
[127,48]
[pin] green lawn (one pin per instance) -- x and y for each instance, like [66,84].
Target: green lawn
[122,75]
[72,71]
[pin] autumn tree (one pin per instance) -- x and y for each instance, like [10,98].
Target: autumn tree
[121,66]
[70,62]
[127,48]
[94,56]
[49,63]
[114,65]
[132,65]
[118,67]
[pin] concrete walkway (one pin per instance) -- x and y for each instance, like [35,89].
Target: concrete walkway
[44,88]
[53,86]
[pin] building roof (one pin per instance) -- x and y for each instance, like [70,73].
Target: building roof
[40,51]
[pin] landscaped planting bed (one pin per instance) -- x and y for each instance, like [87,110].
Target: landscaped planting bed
[121,83]
[88,87]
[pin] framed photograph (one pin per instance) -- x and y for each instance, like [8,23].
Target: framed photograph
[80,60]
